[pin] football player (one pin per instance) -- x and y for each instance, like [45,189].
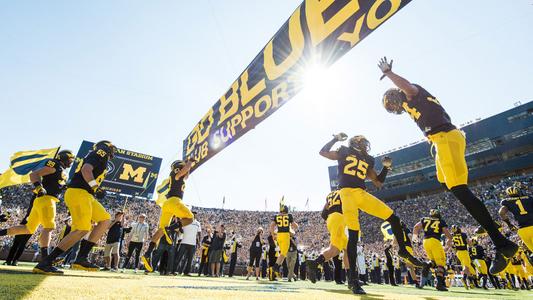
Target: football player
[354,166]
[172,207]
[433,227]
[450,145]
[81,196]
[332,213]
[48,183]
[521,206]
[409,247]
[284,223]
[478,254]
[460,244]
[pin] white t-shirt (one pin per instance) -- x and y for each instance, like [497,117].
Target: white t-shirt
[189,233]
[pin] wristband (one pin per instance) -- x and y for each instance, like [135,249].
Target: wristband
[93,183]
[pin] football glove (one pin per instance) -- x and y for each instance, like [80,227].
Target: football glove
[340,136]
[384,66]
[386,161]
[99,193]
[39,190]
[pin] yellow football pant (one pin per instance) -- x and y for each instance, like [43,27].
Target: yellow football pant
[43,212]
[526,235]
[84,209]
[450,159]
[435,251]
[354,199]
[336,229]
[465,260]
[284,241]
[173,206]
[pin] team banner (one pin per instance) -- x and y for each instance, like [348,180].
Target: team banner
[318,32]
[130,173]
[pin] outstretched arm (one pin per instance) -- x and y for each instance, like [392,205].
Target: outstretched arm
[403,84]
[326,150]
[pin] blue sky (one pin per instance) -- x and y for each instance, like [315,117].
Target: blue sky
[142,73]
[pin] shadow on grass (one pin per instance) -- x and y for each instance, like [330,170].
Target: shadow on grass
[16,284]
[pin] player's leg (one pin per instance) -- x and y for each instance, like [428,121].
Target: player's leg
[440,260]
[350,213]
[78,202]
[103,220]
[373,206]
[47,213]
[164,221]
[526,235]
[283,239]
[32,223]
[453,171]
[338,241]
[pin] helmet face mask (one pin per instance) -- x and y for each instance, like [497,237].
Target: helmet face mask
[66,158]
[359,142]
[393,100]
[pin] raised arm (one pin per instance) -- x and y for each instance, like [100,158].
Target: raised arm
[326,150]
[448,236]
[403,84]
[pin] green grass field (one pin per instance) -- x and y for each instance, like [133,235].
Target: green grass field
[20,283]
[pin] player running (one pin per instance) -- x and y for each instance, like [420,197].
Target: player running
[460,244]
[433,227]
[48,183]
[81,199]
[450,145]
[284,224]
[172,207]
[354,166]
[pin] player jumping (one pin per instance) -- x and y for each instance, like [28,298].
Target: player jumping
[450,145]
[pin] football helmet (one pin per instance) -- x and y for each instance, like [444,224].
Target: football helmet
[434,213]
[106,146]
[65,157]
[393,100]
[359,142]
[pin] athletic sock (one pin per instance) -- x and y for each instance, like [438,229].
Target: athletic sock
[353,237]
[320,259]
[148,252]
[480,213]
[3,232]
[44,253]
[85,249]
[53,255]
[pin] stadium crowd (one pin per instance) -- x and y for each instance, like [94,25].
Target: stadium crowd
[241,226]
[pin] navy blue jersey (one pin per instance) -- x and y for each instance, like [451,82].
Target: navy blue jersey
[521,208]
[283,221]
[353,166]
[477,252]
[460,241]
[177,187]
[53,183]
[433,227]
[98,159]
[334,203]
[427,112]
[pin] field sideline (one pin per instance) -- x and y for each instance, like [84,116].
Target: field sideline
[18,283]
